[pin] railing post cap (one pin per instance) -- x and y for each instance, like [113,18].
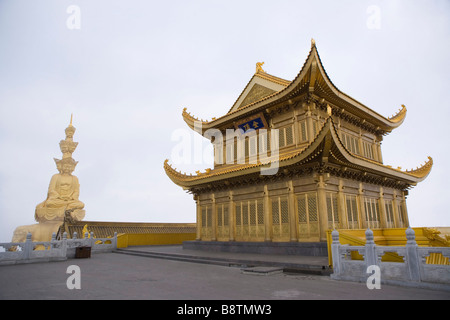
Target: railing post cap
[335,234]
[410,232]
[410,236]
[369,236]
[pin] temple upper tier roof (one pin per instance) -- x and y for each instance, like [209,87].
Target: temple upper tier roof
[326,150]
[264,91]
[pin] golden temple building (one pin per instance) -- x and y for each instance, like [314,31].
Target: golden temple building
[294,159]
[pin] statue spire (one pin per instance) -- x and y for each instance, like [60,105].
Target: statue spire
[68,146]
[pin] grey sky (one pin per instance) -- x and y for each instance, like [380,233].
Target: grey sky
[127,73]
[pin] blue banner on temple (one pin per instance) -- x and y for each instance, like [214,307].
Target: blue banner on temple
[255,124]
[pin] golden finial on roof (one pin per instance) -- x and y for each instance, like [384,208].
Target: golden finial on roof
[313,42]
[259,67]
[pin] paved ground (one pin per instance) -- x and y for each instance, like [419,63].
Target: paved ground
[120,276]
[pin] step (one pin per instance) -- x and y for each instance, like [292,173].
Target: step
[232,262]
[184,258]
[262,271]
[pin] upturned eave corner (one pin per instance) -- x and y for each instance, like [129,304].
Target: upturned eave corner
[173,174]
[194,122]
[422,172]
[398,118]
[315,72]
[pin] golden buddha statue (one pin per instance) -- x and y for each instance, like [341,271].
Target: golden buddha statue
[62,196]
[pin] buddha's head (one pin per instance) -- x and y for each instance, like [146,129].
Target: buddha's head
[70,131]
[66,166]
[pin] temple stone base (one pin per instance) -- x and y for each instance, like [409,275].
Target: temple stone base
[279,248]
[40,231]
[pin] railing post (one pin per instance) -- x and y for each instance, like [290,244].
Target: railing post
[86,240]
[92,240]
[64,245]
[412,257]
[370,256]
[335,252]
[28,247]
[114,241]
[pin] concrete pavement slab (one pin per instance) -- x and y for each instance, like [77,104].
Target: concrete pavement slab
[119,276]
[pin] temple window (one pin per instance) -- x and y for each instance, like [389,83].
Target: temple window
[352,211]
[251,148]
[389,213]
[206,222]
[280,218]
[222,215]
[230,153]
[250,219]
[401,215]
[368,150]
[222,220]
[372,212]
[286,136]
[317,125]
[303,131]
[332,210]
[307,215]
[351,143]
[218,153]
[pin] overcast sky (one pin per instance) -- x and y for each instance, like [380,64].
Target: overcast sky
[126,69]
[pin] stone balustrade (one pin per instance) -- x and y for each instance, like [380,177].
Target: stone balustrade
[53,250]
[413,271]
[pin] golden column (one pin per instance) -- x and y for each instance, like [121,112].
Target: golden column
[199,218]
[267,215]
[231,216]
[361,211]
[322,199]
[341,206]
[213,218]
[383,215]
[291,207]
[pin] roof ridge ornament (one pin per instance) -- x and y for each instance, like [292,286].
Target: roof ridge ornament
[313,42]
[259,67]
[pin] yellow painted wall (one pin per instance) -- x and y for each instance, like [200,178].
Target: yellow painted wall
[389,237]
[144,239]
